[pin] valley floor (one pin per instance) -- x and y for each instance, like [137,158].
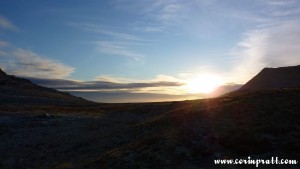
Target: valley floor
[189,134]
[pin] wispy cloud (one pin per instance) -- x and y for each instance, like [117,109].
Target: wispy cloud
[118,35]
[283,9]
[22,62]
[118,49]
[116,43]
[116,89]
[157,15]
[92,27]
[167,12]
[161,84]
[158,78]
[268,47]
[7,24]
[110,85]
[100,85]
[273,42]
[146,27]
[3,44]
[282,2]
[114,79]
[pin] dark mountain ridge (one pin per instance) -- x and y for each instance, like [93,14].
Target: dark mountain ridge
[15,90]
[270,79]
[274,78]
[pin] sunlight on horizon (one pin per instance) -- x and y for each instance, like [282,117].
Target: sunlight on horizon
[204,83]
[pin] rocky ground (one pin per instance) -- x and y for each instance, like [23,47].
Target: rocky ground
[189,134]
[65,140]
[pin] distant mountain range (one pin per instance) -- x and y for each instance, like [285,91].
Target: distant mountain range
[20,91]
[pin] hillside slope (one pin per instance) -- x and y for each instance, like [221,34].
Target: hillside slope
[274,78]
[192,134]
[15,90]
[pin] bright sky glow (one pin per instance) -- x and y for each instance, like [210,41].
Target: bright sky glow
[205,83]
[124,48]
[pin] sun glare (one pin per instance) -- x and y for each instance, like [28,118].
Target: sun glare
[205,83]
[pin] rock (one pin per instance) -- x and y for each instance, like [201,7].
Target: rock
[217,155]
[46,116]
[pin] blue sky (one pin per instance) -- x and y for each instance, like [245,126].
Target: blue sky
[146,42]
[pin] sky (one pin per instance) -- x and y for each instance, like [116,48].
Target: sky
[146,50]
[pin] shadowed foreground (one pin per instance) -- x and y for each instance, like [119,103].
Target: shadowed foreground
[189,134]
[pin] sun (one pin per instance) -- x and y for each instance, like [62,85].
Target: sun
[205,83]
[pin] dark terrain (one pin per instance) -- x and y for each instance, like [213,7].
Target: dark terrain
[19,91]
[274,78]
[182,135]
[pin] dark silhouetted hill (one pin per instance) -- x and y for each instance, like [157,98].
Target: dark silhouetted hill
[274,78]
[271,79]
[20,91]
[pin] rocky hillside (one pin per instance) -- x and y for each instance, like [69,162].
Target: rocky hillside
[15,90]
[274,78]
